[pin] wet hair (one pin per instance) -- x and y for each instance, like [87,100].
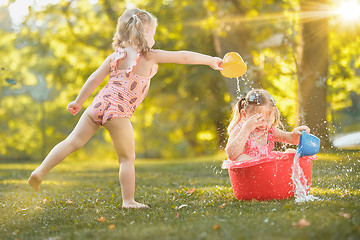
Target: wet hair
[130,29]
[254,99]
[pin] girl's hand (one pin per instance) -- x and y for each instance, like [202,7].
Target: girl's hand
[297,131]
[74,108]
[216,63]
[254,121]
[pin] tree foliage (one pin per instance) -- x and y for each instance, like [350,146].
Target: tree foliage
[49,57]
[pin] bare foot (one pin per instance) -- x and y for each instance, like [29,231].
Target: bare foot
[134,205]
[34,181]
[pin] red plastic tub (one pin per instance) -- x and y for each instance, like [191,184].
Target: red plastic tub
[267,178]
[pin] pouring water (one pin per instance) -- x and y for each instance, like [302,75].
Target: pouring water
[301,186]
[308,145]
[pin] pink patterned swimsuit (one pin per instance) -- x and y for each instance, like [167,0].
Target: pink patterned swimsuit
[253,149]
[122,94]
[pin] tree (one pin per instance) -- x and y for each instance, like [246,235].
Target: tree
[313,72]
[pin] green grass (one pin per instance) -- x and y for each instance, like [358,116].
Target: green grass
[80,199]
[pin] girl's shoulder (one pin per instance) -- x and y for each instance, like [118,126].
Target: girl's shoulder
[119,53]
[163,56]
[155,53]
[112,57]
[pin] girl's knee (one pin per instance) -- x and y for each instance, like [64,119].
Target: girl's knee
[74,142]
[126,158]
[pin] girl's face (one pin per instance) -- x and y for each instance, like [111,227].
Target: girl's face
[150,30]
[269,118]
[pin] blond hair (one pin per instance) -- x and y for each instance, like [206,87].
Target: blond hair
[130,30]
[254,98]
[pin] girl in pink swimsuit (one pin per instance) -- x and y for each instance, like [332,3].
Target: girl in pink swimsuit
[131,67]
[123,93]
[254,128]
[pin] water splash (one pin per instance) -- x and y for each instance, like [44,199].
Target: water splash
[245,85]
[300,182]
[238,90]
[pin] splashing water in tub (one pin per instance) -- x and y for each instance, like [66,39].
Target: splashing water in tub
[254,128]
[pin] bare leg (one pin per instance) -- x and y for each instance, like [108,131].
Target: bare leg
[81,134]
[122,135]
[243,157]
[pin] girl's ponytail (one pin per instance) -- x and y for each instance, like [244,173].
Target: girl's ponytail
[136,34]
[236,114]
[130,30]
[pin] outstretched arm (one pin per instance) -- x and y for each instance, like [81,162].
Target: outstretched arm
[187,57]
[290,137]
[90,85]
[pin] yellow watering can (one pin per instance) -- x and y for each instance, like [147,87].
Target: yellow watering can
[234,66]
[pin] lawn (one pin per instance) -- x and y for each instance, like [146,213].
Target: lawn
[189,199]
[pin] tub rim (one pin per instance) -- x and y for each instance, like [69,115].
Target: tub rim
[274,156]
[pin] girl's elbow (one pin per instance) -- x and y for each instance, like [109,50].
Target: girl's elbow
[184,57]
[227,149]
[95,80]
[230,154]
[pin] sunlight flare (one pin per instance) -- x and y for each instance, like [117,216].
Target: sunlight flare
[349,10]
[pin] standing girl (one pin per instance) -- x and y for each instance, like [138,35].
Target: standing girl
[254,127]
[131,67]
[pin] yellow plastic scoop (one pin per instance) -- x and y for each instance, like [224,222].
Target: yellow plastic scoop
[234,66]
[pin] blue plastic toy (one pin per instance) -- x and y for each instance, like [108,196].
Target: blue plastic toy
[308,144]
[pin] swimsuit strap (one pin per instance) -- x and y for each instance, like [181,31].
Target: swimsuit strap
[121,54]
[133,64]
[154,70]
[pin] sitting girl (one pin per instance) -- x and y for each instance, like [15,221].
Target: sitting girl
[254,128]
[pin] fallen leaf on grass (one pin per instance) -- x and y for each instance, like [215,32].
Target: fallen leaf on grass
[101,219]
[54,238]
[302,223]
[216,227]
[191,191]
[23,209]
[69,201]
[111,227]
[345,215]
[182,206]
